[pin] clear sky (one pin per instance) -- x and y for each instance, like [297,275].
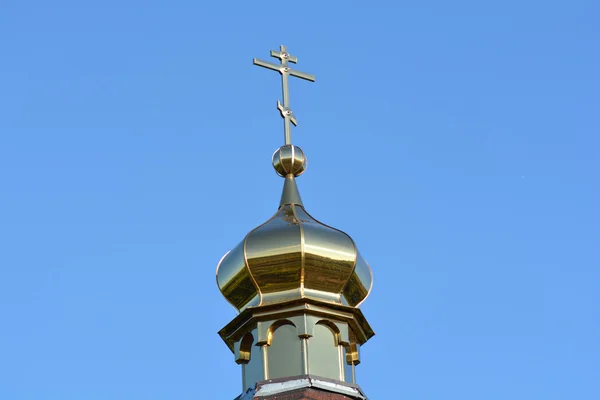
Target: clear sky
[456,141]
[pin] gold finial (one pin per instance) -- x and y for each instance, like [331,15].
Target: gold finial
[285,71]
[289,159]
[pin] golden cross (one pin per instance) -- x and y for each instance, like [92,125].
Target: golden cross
[285,71]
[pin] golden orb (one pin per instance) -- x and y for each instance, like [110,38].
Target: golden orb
[289,159]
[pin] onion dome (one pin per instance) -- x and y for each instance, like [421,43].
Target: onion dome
[292,255]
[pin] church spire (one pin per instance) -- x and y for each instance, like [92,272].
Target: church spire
[297,284]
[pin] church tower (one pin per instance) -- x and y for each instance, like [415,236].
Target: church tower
[297,284]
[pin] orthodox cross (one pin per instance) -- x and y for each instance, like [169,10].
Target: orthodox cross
[285,71]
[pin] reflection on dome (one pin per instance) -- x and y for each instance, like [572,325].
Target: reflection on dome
[293,256]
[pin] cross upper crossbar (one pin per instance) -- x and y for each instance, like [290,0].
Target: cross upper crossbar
[285,71]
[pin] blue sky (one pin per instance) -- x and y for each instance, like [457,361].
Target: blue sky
[457,142]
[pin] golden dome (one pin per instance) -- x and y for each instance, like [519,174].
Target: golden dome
[293,255]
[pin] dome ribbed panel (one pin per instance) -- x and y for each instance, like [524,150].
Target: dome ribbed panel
[273,253]
[234,279]
[329,256]
[359,285]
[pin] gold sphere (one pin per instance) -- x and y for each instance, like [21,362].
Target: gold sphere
[289,159]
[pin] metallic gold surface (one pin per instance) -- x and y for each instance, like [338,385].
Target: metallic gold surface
[293,256]
[274,253]
[329,255]
[234,280]
[290,194]
[289,159]
[284,69]
[360,283]
[286,156]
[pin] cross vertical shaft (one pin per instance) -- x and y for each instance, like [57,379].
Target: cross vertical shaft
[285,71]
[287,116]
